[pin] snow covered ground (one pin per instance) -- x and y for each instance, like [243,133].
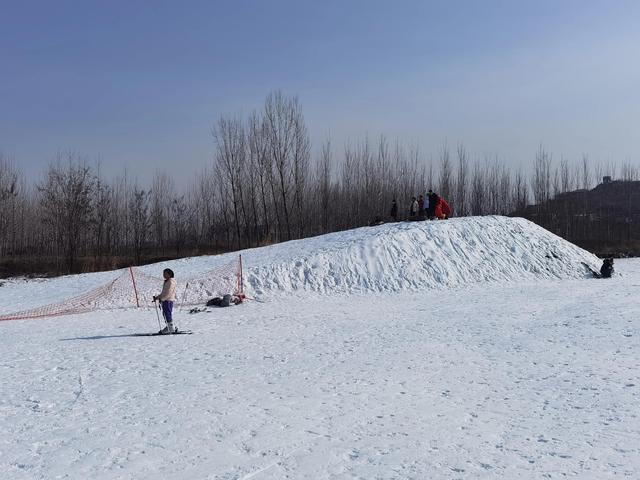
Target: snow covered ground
[524,376]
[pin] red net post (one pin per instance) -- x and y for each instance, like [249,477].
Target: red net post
[240,287]
[135,288]
[221,280]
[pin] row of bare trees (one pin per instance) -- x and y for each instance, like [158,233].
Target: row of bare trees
[263,186]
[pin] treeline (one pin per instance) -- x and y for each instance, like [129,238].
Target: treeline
[263,186]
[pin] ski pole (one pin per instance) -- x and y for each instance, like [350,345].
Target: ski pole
[157,314]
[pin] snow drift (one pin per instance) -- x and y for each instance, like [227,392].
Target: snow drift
[416,255]
[386,258]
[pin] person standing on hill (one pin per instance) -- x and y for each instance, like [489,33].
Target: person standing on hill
[427,207]
[394,210]
[443,210]
[167,298]
[434,199]
[421,207]
[413,209]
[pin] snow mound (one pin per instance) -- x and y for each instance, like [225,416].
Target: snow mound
[386,258]
[415,255]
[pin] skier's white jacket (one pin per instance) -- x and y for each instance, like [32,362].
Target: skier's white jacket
[168,291]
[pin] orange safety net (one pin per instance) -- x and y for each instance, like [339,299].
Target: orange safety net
[134,287]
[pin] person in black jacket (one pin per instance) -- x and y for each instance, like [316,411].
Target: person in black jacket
[434,199]
[607,268]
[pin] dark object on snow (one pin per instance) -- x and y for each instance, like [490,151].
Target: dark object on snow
[224,301]
[607,268]
[198,310]
[215,302]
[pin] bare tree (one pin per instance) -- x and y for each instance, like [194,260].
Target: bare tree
[462,181]
[629,172]
[230,157]
[598,171]
[445,173]
[478,189]
[66,203]
[102,205]
[301,154]
[586,173]
[284,121]
[254,177]
[323,179]
[520,191]
[506,200]
[541,183]
[261,163]
[8,178]
[223,195]
[565,175]
[555,182]
[180,220]
[492,186]
[139,219]
[162,192]
[8,192]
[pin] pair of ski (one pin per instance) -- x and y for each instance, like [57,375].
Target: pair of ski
[158,334]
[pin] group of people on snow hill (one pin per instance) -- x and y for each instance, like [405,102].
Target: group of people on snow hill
[429,207]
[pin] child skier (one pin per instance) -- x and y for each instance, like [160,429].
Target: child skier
[167,297]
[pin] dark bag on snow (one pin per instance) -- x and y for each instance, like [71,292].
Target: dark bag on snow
[224,301]
[214,302]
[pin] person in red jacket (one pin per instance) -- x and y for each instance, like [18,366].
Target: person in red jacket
[443,209]
[446,208]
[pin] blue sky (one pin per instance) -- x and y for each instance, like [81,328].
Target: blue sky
[140,84]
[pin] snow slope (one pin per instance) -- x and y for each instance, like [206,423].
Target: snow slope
[473,348]
[387,258]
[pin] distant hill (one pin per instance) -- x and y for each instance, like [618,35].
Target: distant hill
[604,220]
